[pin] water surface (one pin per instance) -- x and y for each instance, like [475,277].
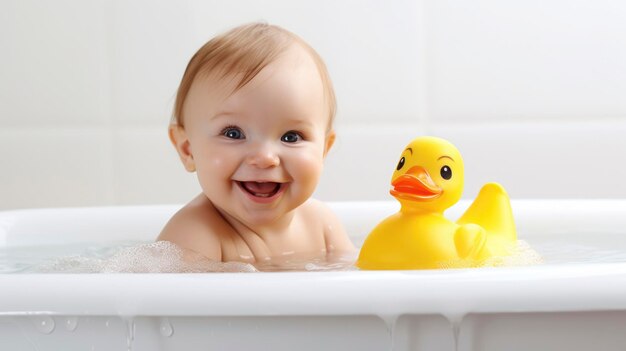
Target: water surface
[165,257]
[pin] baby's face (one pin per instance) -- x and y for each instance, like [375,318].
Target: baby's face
[259,152]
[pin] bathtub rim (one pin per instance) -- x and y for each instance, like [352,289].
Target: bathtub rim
[551,288]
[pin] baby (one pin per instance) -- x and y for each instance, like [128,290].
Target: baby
[253,118]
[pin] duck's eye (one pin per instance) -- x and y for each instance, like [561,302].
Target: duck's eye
[400,164]
[232,133]
[446,172]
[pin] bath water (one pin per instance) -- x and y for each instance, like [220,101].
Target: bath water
[149,257]
[165,257]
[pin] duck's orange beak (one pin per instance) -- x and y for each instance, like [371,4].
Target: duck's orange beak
[416,184]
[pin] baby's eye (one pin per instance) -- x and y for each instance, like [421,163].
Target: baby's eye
[232,133]
[291,137]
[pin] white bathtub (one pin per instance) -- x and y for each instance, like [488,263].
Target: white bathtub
[546,307]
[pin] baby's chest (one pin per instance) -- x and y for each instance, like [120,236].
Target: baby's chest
[250,248]
[236,249]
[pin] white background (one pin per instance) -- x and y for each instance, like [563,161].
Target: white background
[532,92]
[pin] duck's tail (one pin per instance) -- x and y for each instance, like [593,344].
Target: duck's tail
[492,210]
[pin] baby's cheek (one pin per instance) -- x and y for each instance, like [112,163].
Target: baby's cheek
[219,160]
[309,167]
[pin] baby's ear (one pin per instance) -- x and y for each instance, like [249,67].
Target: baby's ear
[330,140]
[180,140]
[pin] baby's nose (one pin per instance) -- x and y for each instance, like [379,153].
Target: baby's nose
[263,156]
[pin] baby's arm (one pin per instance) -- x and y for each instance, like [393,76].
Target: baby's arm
[191,229]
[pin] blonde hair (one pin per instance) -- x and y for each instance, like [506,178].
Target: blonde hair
[245,51]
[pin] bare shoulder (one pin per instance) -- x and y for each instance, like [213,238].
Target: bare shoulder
[320,211]
[195,227]
[334,232]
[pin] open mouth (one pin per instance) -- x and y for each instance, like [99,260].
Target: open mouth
[263,190]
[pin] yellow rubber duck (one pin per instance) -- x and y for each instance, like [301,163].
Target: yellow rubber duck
[427,181]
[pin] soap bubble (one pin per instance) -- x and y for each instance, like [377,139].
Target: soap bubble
[521,255]
[156,257]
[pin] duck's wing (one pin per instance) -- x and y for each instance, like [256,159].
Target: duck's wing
[492,210]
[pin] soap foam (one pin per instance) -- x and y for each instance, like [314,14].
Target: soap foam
[157,257]
[167,257]
[521,255]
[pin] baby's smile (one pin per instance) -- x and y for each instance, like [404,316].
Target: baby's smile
[261,191]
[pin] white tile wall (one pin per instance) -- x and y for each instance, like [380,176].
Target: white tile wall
[543,160]
[53,64]
[531,91]
[150,43]
[147,168]
[531,160]
[520,60]
[55,167]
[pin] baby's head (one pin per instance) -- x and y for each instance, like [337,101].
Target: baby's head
[240,54]
[253,117]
